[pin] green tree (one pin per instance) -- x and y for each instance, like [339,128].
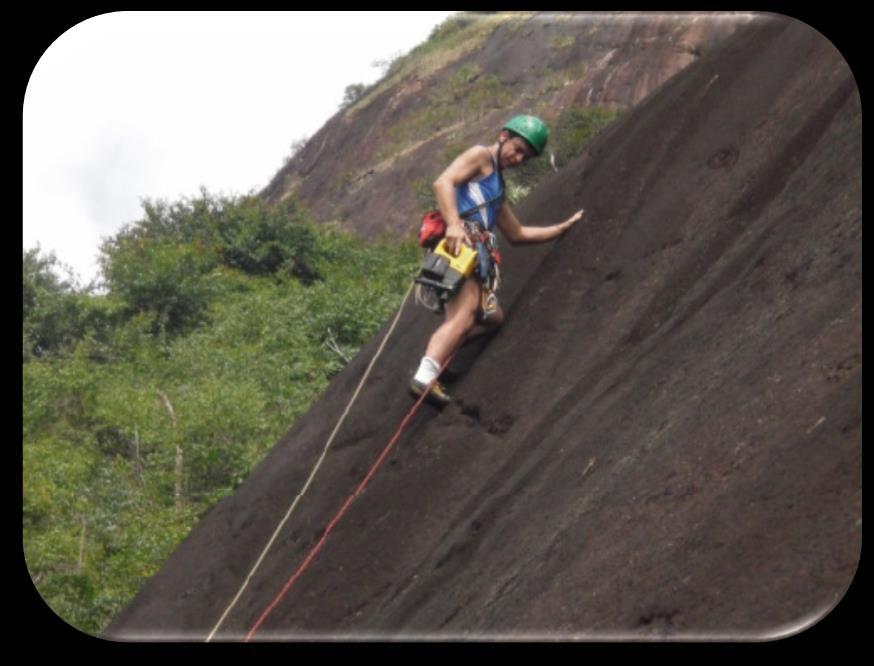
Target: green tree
[352,94]
[262,240]
[165,264]
[160,277]
[56,312]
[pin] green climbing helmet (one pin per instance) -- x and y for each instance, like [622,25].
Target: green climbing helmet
[530,128]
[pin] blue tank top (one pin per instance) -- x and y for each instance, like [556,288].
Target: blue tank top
[481,199]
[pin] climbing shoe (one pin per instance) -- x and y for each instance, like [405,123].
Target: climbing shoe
[437,395]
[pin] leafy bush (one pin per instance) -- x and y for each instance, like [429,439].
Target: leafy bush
[161,277]
[577,126]
[352,94]
[56,313]
[260,240]
[165,264]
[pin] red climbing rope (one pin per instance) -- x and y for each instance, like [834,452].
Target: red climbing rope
[315,550]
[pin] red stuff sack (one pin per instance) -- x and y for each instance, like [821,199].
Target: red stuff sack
[433,229]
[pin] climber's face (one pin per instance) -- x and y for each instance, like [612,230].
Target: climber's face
[514,151]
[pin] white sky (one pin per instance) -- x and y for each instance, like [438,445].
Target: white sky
[153,105]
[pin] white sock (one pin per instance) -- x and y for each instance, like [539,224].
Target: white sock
[427,371]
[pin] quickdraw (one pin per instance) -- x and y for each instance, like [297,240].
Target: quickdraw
[490,281]
[486,245]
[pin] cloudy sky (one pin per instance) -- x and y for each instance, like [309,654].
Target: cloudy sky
[153,105]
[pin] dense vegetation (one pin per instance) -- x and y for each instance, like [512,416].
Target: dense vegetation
[220,320]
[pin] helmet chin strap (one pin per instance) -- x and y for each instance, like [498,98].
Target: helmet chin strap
[501,143]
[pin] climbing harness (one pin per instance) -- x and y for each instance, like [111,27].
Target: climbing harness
[488,266]
[441,274]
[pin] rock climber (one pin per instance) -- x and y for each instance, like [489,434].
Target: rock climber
[470,194]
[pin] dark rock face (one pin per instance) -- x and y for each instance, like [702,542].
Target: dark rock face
[664,439]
